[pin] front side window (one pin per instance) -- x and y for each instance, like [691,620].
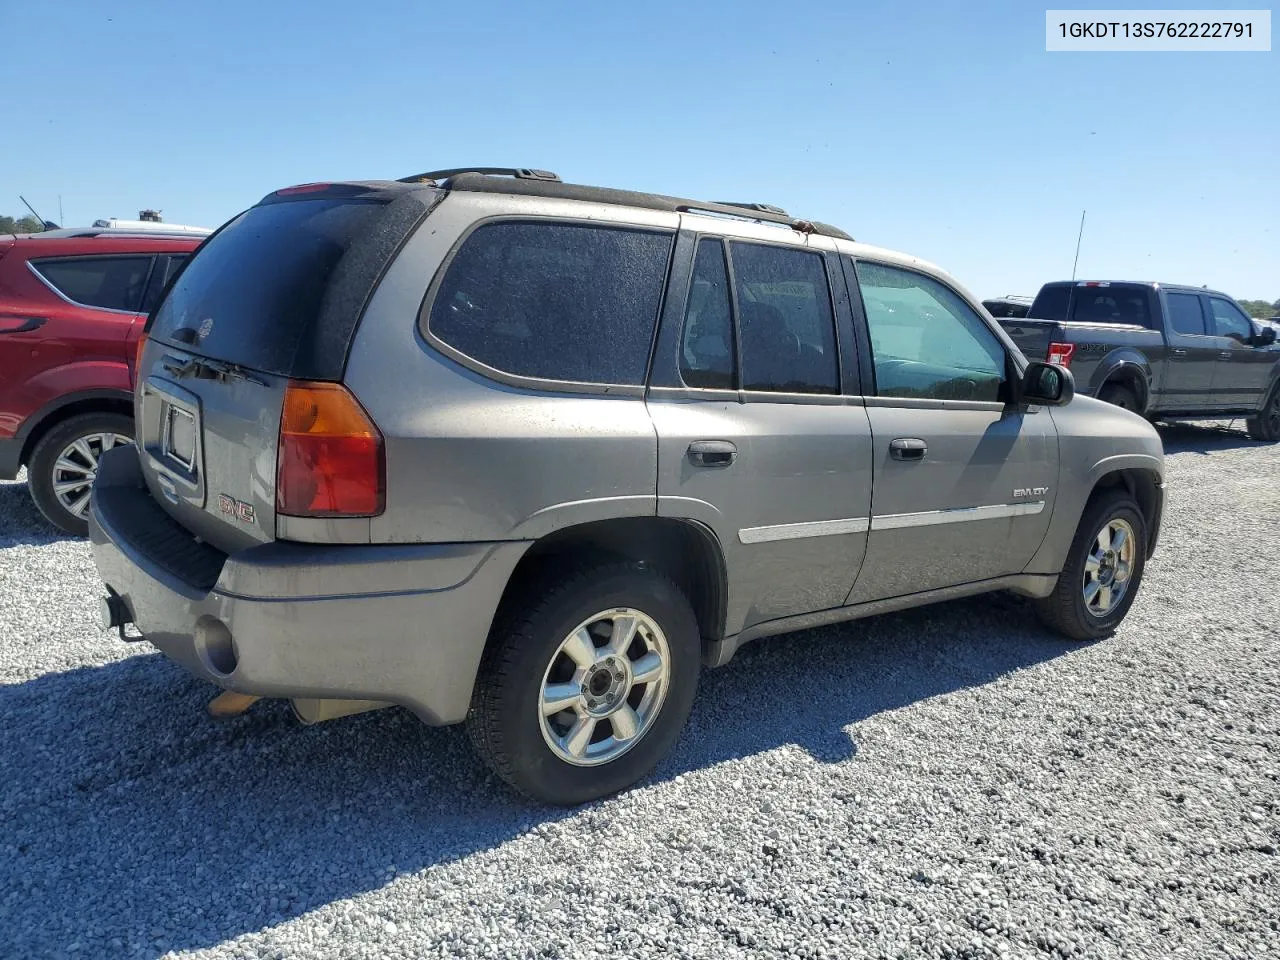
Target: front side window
[554,301]
[1185,315]
[111,283]
[1230,321]
[785,320]
[925,340]
[706,347]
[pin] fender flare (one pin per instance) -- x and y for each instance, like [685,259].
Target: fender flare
[36,424]
[1124,365]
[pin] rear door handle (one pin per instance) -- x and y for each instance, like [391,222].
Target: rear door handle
[712,453]
[908,448]
[21,324]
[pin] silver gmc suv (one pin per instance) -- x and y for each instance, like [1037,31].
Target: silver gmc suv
[525,454]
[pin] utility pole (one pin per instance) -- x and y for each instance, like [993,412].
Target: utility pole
[1079,237]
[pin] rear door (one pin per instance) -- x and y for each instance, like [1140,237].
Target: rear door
[964,485]
[273,295]
[1242,371]
[69,309]
[1193,354]
[760,434]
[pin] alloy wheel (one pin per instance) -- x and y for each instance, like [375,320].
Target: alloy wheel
[1108,567]
[76,468]
[604,687]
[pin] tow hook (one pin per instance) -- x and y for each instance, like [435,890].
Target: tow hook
[114,614]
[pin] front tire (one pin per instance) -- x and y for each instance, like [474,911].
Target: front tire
[64,463]
[1103,571]
[586,684]
[1266,425]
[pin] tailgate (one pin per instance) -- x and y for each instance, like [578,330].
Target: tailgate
[271,299]
[209,446]
[1033,336]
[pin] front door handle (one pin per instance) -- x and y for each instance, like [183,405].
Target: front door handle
[908,448]
[1224,354]
[1179,352]
[712,453]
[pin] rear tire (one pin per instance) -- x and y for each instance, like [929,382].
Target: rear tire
[614,726]
[1084,605]
[1119,395]
[1266,425]
[65,461]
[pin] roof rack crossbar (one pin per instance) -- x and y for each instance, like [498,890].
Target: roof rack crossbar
[520,173]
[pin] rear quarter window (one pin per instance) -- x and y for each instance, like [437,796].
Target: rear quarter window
[110,283]
[554,301]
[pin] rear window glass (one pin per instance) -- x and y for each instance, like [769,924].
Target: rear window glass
[1111,305]
[113,283]
[555,301]
[1051,303]
[253,292]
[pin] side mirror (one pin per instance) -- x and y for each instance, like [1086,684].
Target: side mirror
[1265,336]
[1048,384]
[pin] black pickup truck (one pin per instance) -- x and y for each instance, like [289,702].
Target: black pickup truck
[1164,351]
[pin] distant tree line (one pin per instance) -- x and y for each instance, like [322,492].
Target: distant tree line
[1260,308]
[27,224]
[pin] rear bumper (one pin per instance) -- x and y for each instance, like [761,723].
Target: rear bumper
[401,623]
[10,457]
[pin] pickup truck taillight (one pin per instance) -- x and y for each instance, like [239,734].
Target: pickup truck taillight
[330,462]
[1060,353]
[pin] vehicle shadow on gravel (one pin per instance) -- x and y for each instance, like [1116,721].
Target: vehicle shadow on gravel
[130,816]
[21,523]
[1205,437]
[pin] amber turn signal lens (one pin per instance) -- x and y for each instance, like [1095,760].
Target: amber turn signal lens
[330,462]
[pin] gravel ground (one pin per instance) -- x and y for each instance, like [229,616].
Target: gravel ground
[950,782]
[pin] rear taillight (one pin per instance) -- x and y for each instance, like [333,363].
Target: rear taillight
[1060,353]
[330,462]
[137,358]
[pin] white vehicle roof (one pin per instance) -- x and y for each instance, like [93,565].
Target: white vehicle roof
[151,226]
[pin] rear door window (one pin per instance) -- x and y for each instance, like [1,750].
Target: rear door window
[167,267]
[785,320]
[1185,315]
[554,301]
[254,293]
[110,283]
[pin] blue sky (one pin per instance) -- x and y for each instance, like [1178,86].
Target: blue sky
[944,129]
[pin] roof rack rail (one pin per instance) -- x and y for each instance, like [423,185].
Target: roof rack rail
[520,173]
[757,207]
[474,181]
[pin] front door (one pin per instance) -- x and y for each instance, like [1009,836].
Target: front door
[756,438]
[963,485]
[1243,371]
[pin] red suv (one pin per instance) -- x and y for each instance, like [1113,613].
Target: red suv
[72,305]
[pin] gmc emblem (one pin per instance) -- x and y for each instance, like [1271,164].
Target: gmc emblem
[236,508]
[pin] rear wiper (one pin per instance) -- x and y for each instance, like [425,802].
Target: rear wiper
[204,369]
